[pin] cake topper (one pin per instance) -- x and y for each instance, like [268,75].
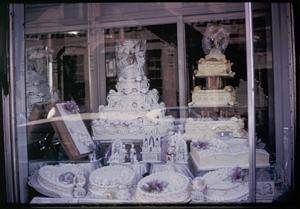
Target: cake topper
[130,54]
[215,39]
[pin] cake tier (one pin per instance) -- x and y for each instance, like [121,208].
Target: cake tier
[131,125]
[134,101]
[205,128]
[224,185]
[59,179]
[214,153]
[213,98]
[214,64]
[133,85]
[106,182]
[213,68]
[163,187]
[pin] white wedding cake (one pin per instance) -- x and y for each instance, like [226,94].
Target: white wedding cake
[163,187]
[133,111]
[222,185]
[216,153]
[63,180]
[111,182]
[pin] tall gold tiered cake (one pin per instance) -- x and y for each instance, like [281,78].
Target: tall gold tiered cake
[213,67]
[218,138]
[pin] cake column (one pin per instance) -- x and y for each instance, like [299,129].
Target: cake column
[213,82]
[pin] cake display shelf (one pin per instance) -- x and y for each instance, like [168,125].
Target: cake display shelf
[89,200]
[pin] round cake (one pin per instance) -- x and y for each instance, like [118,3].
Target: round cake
[108,181]
[60,179]
[223,185]
[163,187]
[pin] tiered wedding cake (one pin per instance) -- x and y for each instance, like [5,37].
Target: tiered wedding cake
[133,111]
[163,187]
[213,67]
[218,140]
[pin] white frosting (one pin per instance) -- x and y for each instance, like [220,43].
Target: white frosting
[50,178]
[130,85]
[226,153]
[177,189]
[133,111]
[218,186]
[105,182]
[204,128]
[213,98]
[116,125]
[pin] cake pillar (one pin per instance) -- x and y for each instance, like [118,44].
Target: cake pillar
[214,83]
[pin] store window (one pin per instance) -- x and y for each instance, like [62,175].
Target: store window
[150,103]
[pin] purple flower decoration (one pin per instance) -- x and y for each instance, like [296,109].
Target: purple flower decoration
[237,174]
[155,186]
[66,178]
[200,145]
[71,107]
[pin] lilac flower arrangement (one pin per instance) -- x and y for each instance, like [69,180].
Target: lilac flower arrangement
[155,186]
[66,178]
[237,174]
[200,145]
[71,107]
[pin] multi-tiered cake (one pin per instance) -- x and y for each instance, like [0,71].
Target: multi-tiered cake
[133,111]
[218,140]
[213,67]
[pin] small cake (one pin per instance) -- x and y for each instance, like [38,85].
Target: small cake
[204,128]
[222,185]
[107,182]
[61,179]
[216,153]
[213,97]
[163,187]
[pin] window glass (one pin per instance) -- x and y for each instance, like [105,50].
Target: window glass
[272,182]
[103,86]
